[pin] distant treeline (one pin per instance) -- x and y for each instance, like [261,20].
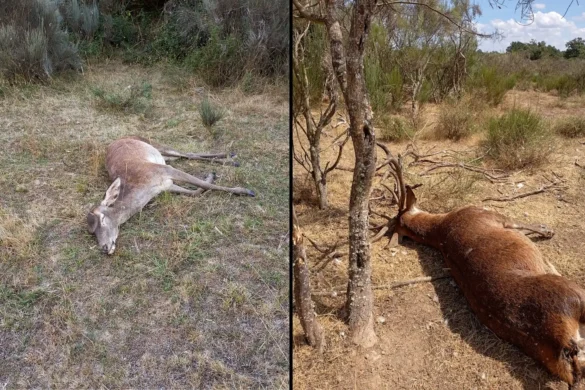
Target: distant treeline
[533,50]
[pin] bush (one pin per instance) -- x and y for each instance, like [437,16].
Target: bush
[33,42]
[571,128]
[210,114]
[517,139]
[80,18]
[455,122]
[253,36]
[490,84]
[394,129]
[134,98]
[219,61]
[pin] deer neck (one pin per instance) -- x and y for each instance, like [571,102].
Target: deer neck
[125,207]
[421,226]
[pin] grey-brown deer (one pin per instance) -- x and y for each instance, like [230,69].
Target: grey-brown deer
[137,167]
[506,281]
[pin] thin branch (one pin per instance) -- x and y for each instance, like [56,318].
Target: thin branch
[391,286]
[553,186]
[438,164]
[327,170]
[570,4]
[450,19]
[306,14]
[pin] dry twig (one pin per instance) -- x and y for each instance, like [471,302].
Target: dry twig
[391,286]
[554,185]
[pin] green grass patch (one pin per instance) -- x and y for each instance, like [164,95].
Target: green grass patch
[517,139]
[136,98]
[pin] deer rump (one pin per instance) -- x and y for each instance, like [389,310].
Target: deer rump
[507,284]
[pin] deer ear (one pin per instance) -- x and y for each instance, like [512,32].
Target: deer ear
[92,222]
[410,198]
[112,193]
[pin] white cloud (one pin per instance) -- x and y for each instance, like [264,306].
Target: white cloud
[539,6]
[579,18]
[550,27]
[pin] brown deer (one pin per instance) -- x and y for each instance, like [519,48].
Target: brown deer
[137,167]
[502,274]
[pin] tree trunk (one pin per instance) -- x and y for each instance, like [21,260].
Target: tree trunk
[350,75]
[302,286]
[318,177]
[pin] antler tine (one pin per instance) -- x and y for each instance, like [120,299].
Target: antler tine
[395,169]
[396,166]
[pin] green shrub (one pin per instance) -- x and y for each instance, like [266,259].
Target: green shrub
[210,114]
[219,61]
[33,42]
[490,84]
[571,127]
[80,18]
[517,139]
[393,129]
[455,122]
[135,99]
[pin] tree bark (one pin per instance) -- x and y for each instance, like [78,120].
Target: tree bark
[302,286]
[350,75]
[319,178]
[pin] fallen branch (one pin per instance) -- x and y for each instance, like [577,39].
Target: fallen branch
[440,164]
[391,286]
[553,186]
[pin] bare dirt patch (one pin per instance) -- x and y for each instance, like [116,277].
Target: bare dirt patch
[429,339]
[196,295]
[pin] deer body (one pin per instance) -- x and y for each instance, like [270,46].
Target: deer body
[507,283]
[139,171]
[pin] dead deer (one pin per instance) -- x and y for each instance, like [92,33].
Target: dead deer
[137,167]
[508,285]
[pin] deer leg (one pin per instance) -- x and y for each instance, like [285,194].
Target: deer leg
[171,154]
[197,192]
[217,158]
[541,230]
[181,176]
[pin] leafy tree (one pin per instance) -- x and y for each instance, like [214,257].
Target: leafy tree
[575,48]
[533,50]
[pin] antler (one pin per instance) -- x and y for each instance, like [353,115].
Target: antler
[395,170]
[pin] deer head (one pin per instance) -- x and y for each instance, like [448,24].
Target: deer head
[100,220]
[402,194]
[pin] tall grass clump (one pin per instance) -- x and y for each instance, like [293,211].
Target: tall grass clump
[490,84]
[456,121]
[571,127]
[210,114]
[34,44]
[517,139]
[394,129]
[136,99]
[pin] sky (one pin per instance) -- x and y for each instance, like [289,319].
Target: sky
[548,25]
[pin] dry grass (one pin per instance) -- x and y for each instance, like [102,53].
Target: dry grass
[196,295]
[429,338]
[572,127]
